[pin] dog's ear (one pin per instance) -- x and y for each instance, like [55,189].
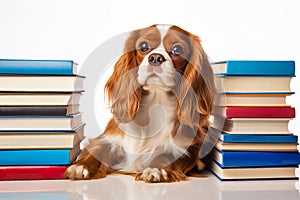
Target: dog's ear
[197,88]
[122,88]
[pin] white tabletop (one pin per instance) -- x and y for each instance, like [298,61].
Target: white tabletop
[122,187]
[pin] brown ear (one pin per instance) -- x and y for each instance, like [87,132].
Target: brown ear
[197,88]
[122,87]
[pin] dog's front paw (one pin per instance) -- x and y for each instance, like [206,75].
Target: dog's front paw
[153,175]
[77,172]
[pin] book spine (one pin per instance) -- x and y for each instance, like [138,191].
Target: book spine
[32,173]
[33,110]
[260,112]
[35,157]
[35,67]
[248,138]
[261,68]
[260,159]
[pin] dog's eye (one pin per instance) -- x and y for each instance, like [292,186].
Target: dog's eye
[144,46]
[177,50]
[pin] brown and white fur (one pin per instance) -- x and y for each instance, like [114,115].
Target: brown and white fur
[161,94]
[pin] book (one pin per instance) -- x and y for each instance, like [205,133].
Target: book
[39,156]
[39,99]
[252,100]
[255,158]
[256,125]
[255,138]
[255,68]
[15,123]
[31,83]
[38,67]
[31,172]
[41,140]
[259,173]
[271,147]
[256,112]
[39,110]
[255,85]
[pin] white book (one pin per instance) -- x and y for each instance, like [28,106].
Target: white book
[256,125]
[40,123]
[255,84]
[252,100]
[39,99]
[27,83]
[41,140]
[253,173]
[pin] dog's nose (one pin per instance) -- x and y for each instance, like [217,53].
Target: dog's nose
[156,59]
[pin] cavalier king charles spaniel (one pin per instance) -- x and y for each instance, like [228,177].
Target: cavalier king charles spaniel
[161,94]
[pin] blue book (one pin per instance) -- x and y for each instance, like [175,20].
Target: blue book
[255,138]
[255,159]
[254,67]
[34,67]
[39,156]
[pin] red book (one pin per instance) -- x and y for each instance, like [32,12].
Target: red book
[259,112]
[31,172]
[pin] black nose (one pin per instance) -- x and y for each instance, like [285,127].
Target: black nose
[156,59]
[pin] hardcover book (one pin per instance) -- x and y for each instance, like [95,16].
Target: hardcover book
[40,123]
[27,83]
[271,147]
[255,85]
[39,99]
[258,138]
[255,158]
[252,173]
[255,68]
[39,110]
[256,125]
[31,172]
[38,67]
[257,112]
[252,100]
[40,140]
[39,156]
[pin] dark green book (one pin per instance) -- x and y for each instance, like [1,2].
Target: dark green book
[39,110]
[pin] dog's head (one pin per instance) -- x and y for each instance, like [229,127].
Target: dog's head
[168,56]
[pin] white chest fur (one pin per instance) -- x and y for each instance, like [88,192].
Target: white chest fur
[149,135]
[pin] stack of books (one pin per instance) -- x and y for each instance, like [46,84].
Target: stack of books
[40,122]
[255,142]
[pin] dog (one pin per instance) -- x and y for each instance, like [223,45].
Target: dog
[161,94]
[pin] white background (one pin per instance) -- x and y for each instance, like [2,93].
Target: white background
[231,29]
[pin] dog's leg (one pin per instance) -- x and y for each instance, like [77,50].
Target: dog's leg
[94,161]
[87,167]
